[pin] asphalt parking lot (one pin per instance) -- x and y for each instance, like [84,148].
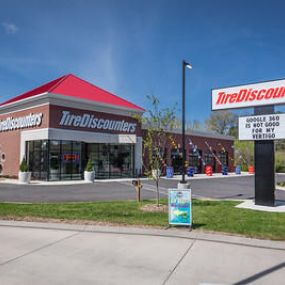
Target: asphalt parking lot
[235,187]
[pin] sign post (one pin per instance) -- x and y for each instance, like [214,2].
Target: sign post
[180,207]
[264,163]
[264,127]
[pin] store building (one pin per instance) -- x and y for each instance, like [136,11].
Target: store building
[202,149]
[58,126]
[61,124]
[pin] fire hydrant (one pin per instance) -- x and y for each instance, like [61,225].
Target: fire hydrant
[138,186]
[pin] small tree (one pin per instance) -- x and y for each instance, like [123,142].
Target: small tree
[158,122]
[24,166]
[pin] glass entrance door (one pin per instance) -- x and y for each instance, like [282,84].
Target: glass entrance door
[70,160]
[64,160]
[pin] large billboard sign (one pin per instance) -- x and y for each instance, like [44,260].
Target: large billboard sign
[250,95]
[262,127]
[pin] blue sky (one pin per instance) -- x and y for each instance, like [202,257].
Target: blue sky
[135,48]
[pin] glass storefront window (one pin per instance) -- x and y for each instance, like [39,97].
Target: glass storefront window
[76,157]
[30,154]
[111,160]
[223,156]
[210,160]
[102,160]
[176,157]
[121,160]
[54,160]
[36,152]
[64,160]
[70,160]
[195,160]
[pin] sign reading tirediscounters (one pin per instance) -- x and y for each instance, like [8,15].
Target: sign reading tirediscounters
[250,95]
[90,121]
[11,124]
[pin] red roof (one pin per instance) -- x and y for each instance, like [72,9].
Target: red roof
[73,86]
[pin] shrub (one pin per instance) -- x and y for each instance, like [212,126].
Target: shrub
[24,166]
[89,166]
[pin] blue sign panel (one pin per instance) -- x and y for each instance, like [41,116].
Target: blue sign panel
[179,207]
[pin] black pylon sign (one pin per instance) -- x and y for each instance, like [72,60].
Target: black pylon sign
[264,127]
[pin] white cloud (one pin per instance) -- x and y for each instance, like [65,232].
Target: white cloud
[10,28]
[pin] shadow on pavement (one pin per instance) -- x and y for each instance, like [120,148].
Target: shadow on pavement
[258,275]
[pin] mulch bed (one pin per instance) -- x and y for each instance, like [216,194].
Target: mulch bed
[154,208]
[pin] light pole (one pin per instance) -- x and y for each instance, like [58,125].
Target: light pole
[184,65]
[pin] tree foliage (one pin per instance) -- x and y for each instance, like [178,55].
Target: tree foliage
[280,155]
[244,153]
[280,145]
[222,122]
[280,161]
[189,126]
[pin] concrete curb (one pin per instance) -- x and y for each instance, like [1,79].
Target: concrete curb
[81,182]
[250,205]
[280,188]
[204,176]
[180,233]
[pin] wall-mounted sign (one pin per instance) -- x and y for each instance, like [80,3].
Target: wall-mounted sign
[250,95]
[262,127]
[31,120]
[179,207]
[90,121]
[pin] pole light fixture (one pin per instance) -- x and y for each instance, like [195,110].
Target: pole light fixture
[188,65]
[184,65]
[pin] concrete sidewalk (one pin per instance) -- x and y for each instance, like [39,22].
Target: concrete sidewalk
[46,253]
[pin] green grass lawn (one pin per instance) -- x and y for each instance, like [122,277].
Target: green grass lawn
[220,216]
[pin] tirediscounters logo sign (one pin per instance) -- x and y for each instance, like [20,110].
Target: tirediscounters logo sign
[11,123]
[250,95]
[90,121]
